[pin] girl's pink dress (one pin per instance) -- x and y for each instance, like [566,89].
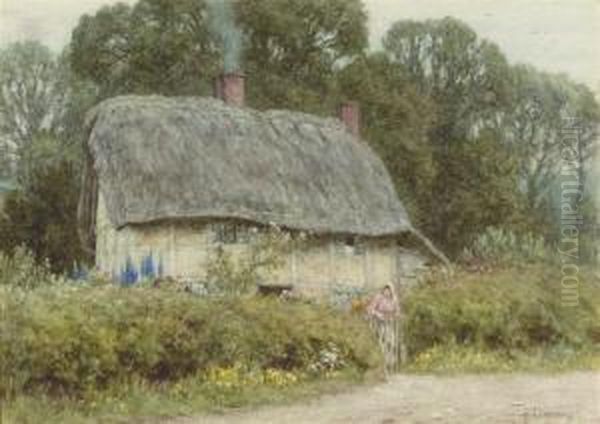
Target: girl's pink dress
[382,307]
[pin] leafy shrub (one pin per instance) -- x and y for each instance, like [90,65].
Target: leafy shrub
[265,255]
[511,309]
[501,247]
[21,270]
[73,339]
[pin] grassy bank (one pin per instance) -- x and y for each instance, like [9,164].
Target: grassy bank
[80,352]
[448,359]
[70,352]
[138,401]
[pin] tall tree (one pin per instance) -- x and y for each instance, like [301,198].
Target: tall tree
[468,80]
[42,108]
[396,120]
[524,110]
[33,94]
[549,115]
[41,217]
[290,51]
[156,46]
[293,48]
[467,77]
[480,189]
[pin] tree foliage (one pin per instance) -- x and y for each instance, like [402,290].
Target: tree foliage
[156,46]
[396,122]
[292,49]
[33,95]
[479,189]
[489,111]
[465,75]
[470,141]
[539,126]
[42,217]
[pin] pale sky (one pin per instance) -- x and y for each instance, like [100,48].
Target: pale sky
[554,35]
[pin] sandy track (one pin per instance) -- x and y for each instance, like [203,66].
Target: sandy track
[563,398]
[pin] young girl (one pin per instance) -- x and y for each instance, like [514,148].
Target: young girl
[384,305]
[383,312]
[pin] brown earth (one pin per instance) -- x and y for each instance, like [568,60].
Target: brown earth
[511,398]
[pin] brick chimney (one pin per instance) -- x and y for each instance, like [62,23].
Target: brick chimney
[349,114]
[229,87]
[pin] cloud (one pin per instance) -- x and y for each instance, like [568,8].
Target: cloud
[50,21]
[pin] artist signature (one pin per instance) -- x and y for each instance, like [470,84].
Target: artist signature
[525,411]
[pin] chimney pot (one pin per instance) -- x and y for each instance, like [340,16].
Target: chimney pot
[349,114]
[229,87]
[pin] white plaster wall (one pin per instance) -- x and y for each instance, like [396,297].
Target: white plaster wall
[184,249]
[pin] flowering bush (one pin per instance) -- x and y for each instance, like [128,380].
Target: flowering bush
[239,376]
[453,358]
[330,358]
[75,338]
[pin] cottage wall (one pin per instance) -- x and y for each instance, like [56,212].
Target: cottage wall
[183,250]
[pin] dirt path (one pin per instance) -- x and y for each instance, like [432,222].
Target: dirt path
[565,398]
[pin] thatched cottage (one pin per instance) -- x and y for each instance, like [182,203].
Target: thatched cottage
[169,180]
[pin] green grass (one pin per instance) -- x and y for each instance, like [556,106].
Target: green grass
[138,401]
[471,360]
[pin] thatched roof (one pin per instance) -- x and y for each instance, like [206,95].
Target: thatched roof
[161,158]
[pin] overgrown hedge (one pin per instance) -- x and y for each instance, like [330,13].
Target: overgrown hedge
[69,340]
[503,310]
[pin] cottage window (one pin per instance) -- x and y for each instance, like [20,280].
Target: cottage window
[225,233]
[351,245]
[242,233]
[359,246]
[356,245]
[230,233]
